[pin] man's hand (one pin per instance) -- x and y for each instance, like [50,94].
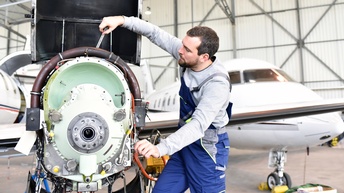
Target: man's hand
[111,22]
[146,149]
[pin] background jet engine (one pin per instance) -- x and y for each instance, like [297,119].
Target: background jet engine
[89,116]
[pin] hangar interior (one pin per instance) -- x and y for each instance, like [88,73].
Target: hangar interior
[303,37]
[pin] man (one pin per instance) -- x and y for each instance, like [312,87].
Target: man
[200,147]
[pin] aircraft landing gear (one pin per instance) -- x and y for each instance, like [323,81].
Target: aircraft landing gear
[277,158]
[274,180]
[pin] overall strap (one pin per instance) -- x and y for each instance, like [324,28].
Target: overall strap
[197,88]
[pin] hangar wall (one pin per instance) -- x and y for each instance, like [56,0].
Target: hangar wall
[12,42]
[303,37]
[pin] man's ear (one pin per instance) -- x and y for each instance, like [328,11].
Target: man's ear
[205,57]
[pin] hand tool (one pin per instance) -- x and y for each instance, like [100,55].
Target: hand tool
[101,37]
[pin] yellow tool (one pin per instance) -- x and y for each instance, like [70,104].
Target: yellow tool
[156,165]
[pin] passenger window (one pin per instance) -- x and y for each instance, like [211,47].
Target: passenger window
[168,101]
[174,99]
[163,102]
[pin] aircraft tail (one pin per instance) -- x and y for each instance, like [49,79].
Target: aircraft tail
[149,85]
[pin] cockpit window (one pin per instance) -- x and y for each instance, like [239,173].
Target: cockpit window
[265,75]
[234,77]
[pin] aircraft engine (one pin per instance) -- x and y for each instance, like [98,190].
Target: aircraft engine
[92,108]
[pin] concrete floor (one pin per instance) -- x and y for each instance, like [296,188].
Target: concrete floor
[247,169]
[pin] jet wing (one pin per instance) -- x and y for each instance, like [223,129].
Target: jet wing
[257,114]
[166,122]
[11,131]
[9,137]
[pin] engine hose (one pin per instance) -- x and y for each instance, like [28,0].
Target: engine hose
[136,159]
[84,51]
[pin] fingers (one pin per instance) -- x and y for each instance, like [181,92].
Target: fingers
[146,149]
[108,24]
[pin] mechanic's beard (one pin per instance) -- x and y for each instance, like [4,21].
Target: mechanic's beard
[183,64]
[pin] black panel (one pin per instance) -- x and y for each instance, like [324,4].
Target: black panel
[33,119]
[77,21]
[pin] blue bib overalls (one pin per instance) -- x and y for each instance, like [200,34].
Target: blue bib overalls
[199,166]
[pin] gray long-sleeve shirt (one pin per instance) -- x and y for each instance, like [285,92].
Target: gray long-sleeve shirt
[211,100]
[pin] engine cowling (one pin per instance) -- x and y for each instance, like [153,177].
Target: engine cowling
[87,108]
[92,112]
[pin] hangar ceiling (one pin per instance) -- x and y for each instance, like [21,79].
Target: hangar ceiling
[12,12]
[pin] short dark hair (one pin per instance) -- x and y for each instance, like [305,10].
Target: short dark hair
[209,39]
